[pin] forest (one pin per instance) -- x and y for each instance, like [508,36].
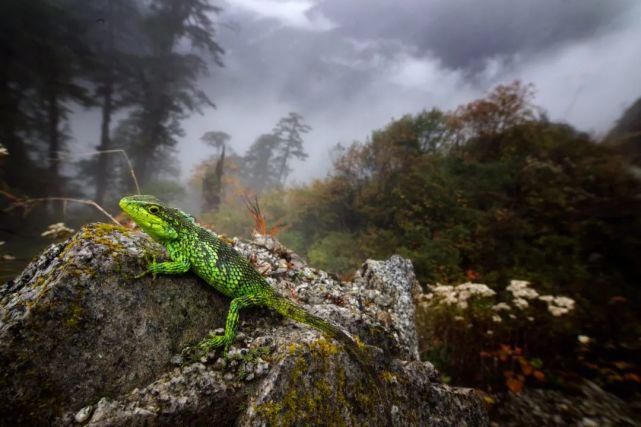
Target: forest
[524,232]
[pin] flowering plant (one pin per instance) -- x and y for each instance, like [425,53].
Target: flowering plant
[482,337]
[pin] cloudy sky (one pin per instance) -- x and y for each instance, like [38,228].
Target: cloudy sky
[351,66]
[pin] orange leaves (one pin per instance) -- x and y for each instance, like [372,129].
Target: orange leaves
[260,225]
[506,106]
[472,275]
[539,375]
[514,382]
[526,368]
[513,356]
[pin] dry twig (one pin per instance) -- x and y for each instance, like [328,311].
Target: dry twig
[26,203]
[114,151]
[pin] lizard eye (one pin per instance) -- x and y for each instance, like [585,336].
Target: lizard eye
[154,210]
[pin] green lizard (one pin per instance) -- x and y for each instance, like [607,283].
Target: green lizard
[191,246]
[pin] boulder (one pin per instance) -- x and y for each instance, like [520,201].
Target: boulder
[82,342]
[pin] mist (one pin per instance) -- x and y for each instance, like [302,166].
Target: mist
[349,68]
[455,183]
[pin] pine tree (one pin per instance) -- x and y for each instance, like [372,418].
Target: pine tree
[289,132]
[213,180]
[165,88]
[259,167]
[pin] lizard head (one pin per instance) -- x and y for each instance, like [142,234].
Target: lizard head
[155,219]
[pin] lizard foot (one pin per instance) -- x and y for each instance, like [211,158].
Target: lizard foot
[151,264]
[214,341]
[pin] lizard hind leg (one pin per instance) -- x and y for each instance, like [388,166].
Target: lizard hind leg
[231,324]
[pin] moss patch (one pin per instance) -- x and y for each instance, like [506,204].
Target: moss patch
[75,315]
[318,393]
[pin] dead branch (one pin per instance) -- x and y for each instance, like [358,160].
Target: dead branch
[114,151]
[26,203]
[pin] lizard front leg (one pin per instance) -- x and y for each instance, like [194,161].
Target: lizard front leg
[178,265]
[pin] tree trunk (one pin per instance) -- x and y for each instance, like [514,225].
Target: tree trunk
[103,170]
[283,167]
[53,117]
[213,185]
[17,169]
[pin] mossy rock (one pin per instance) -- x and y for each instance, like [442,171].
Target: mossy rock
[82,342]
[75,326]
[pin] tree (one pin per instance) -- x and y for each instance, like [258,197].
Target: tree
[216,139]
[290,143]
[165,77]
[259,167]
[625,136]
[112,39]
[504,107]
[43,63]
[212,186]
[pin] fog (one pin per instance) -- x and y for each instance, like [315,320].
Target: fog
[351,67]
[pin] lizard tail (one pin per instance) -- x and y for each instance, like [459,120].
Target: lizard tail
[356,350]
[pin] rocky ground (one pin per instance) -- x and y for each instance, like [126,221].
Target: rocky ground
[83,342]
[589,406]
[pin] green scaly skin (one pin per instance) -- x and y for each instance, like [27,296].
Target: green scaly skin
[191,247]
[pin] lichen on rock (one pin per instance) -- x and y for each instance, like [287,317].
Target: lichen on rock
[82,342]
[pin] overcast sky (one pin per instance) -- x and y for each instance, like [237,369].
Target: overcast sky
[349,67]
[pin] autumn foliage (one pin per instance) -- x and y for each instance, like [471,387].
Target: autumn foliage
[490,193]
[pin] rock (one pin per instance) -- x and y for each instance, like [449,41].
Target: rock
[81,341]
[177,359]
[592,406]
[83,414]
[74,326]
[395,285]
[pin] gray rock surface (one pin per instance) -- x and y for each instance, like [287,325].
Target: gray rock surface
[82,342]
[590,407]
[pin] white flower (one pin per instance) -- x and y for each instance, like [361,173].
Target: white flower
[559,305]
[584,339]
[459,295]
[530,318]
[441,289]
[557,311]
[512,316]
[501,306]
[464,295]
[477,289]
[496,318]
[520,303]
[489,332]
[520,289]
[459,318]
[564,302]
[450,299]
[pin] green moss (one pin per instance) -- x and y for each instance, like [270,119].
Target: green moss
[75,315]
[314,399]
[103,234]
[99,233]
